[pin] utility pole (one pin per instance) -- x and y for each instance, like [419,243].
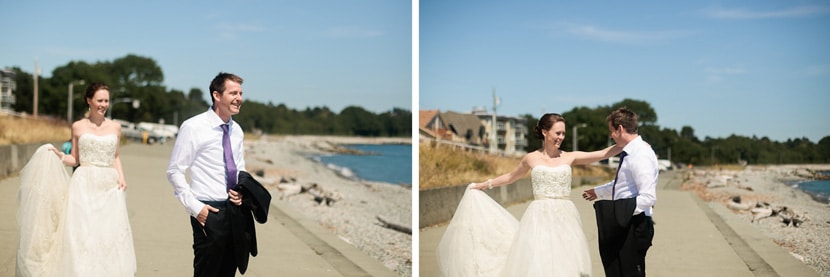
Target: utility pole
[70,96]
[34,108]
[494,142]
[576,137]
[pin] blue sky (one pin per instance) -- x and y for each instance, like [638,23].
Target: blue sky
[722,67]
[300,53]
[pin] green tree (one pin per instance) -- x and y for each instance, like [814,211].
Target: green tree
[687,132]
[134,70]
[645,113]
[360,122]
[24,96]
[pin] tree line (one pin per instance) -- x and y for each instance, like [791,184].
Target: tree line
[683,146]
[141,78]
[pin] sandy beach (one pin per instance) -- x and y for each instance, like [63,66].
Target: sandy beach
[284,162]
[809,242]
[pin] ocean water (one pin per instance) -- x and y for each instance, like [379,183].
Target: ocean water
[392,163]
[819,189]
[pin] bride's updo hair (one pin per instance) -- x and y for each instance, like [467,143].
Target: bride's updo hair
[546,122]
[93,87]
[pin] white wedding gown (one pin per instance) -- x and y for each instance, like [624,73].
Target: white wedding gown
[86,230]
[483,239]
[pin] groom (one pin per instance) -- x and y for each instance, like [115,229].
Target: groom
[625,205]
[209,148]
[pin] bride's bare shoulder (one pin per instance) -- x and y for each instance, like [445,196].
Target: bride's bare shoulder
[80,125]
[530,158]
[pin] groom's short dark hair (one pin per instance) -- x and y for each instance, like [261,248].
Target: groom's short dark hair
[625,117]
[218,83]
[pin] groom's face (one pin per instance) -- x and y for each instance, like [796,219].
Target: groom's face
[615,133]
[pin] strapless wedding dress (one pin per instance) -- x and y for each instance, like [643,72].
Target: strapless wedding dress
[549,241]
[93,235]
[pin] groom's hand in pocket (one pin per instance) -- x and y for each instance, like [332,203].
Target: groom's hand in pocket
[202,217]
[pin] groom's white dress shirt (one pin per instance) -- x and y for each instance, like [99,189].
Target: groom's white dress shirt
[637,177]
[198,152]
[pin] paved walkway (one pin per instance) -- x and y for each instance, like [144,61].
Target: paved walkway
[289,245]
[690,240]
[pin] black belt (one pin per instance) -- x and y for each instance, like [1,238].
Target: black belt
[215,203]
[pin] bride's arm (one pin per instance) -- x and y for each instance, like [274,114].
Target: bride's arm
[590,157]
[507,178]
[72,158]
[122,183]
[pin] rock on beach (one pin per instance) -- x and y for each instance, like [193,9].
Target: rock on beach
[353,216]
[760,185]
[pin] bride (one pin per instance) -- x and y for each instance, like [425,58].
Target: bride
[483,239]
[77,226]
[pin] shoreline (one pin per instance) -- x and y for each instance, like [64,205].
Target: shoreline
[285,163]
[823,198]
[366,162]
[762,189]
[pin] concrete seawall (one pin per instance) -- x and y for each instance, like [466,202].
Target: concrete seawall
[14,157]
[437,205]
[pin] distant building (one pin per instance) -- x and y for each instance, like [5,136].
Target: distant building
[511,132]
[7,87]
[431,126]
[474,129]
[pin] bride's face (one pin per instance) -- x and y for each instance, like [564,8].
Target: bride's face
[99,103]
[555,135]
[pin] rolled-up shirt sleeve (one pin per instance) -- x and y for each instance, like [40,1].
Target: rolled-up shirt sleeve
[181,159]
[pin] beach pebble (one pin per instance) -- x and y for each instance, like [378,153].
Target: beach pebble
[781,207]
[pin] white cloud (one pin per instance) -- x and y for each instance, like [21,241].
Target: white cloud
[817,70]
[231,31]
[620,36]
[725,70]
[794,12]
[717,74]
[352,32]
[240,27]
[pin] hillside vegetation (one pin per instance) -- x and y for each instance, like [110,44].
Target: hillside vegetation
[20,130]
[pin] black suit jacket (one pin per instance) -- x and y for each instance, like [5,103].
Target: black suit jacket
[613,217]
[255,203]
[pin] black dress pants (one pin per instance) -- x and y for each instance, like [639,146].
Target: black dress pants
[627,257]
[213,244]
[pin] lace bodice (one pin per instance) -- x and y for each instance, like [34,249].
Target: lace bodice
[97,150]
[551,182]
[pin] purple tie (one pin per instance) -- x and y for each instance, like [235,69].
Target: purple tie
[614,187]
[230,165]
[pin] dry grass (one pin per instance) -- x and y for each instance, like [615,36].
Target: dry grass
[20,130]
[443,166]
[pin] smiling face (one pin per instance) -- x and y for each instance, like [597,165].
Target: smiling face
[99,103]
[555,135]
[616,132]
[228,102]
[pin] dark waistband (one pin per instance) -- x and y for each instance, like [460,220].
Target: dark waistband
[643,214]
[215,203]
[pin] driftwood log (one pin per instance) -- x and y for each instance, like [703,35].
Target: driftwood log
[394,226]
[320,195]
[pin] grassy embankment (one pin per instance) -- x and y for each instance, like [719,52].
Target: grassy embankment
[19,130]
[443,166]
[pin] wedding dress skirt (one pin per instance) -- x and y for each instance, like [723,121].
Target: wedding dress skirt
[93,236]
[42,202]
[548,241]
[478,237]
